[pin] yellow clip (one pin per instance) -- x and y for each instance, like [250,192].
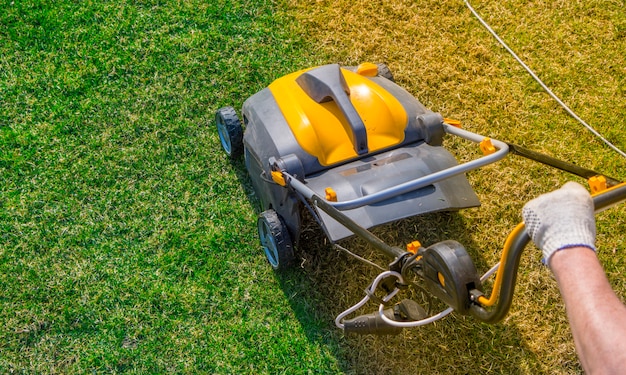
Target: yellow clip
[413,247]
[487,147]
[442,279]
[597,184]
[455,123]
[331,195]
[277,177]
[367,69]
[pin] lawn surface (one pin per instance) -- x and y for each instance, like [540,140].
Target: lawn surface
[128,240]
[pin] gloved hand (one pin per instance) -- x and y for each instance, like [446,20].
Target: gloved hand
[561,219]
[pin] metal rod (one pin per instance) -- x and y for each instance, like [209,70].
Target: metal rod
[394,191]
[559,164]
[393,252]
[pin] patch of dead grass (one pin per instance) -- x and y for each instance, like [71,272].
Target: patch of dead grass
[441,54]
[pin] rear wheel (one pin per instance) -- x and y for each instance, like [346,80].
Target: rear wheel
[385,72]
[230,131]
[275,240]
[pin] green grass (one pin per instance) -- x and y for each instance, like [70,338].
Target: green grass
[128,241]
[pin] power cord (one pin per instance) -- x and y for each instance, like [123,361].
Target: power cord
[546,88]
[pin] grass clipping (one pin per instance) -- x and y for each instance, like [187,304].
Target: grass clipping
[441,54]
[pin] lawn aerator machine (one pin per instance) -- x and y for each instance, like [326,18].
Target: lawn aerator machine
[358,151]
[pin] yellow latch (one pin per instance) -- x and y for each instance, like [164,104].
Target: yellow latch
[597,184]
[367,69]
[455,123]
[442,279]
[331,195]
[487,147]
[413,247]
[277,177]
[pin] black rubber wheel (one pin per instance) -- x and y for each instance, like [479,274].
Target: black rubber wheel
[275,240]
[385,72]
[230,131]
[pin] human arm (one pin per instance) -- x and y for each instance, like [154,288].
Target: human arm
[597,316]
[562,224]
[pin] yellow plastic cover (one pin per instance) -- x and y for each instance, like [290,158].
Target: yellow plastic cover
[321,129]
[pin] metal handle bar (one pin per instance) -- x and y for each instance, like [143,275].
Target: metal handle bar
[507,268]
[509,264]
[502,150]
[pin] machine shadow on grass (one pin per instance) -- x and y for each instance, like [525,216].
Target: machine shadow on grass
[334,281]
[326,281]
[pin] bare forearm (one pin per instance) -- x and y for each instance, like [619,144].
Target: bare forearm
[597,316]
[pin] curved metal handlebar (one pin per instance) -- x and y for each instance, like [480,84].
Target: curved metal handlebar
[517,241]
[501,152]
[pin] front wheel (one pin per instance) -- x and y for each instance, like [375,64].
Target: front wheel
[275,240]
[230,131]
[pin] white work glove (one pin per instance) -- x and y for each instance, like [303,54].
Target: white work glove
[561,219]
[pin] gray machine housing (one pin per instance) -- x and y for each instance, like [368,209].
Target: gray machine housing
[269,144]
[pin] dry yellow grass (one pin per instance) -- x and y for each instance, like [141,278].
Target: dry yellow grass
[441,54]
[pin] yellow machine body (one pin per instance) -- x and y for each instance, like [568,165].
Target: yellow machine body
[322,130]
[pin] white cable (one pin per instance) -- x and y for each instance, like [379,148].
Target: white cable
[416,323]
[388,297]
[371,289]
[354,308]
[490,272]
[430,319]
[565,107]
